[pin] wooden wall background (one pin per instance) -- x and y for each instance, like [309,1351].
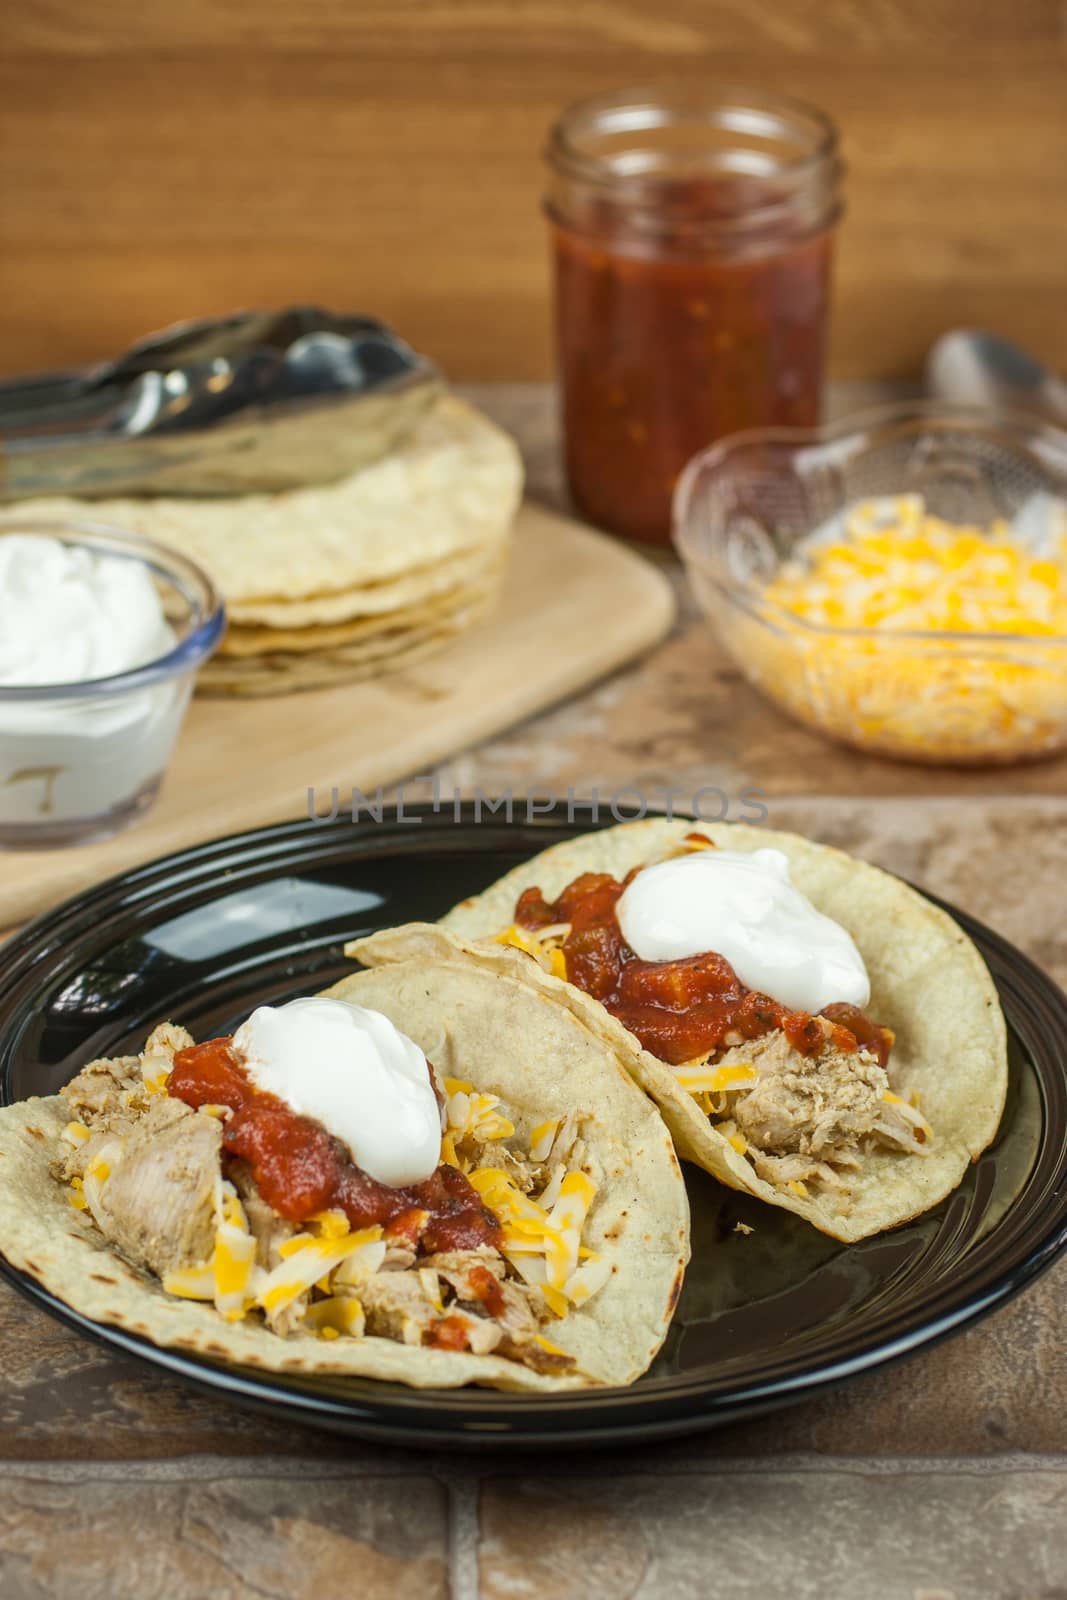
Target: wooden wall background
[164,158]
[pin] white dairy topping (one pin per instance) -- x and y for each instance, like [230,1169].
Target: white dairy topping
[68,613]
[742,905]
[353,1071]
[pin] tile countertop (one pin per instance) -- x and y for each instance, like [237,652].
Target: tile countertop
[945,1477]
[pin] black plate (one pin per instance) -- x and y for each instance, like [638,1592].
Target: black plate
[765,1318]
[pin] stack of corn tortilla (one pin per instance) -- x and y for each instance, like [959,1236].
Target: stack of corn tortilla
[350,579]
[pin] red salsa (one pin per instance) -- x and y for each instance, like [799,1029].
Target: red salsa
[448,1333]
[668,342]
[678,1009]
[300,1169]
[485,1286]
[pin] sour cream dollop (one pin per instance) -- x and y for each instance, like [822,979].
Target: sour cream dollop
[69,614]
[744,906]
[354,1072]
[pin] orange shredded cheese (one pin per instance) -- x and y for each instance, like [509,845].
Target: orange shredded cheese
[994,687]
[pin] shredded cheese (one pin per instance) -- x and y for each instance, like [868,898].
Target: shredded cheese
[331,1224]
[543,1244]
[993,687]
[568,1213]
[545,946]
[192,1283]
[550,1193]
[474,1115]
[584,1283]
[308,1259]
[232,1263]
[96,1175]
[697,1077]
[228,1277]
[909,1112]
[155,1070]
[231,1278]
[546,1344]
[520,939]
[541,1139]
[431,1288]
[335,1315]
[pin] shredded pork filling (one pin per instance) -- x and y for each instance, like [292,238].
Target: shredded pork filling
[398,1306]
[808,1118]
[154,1177]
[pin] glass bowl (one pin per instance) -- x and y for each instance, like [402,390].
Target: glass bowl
[80,761]
[744,506]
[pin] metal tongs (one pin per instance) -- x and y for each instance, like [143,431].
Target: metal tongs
[256,400]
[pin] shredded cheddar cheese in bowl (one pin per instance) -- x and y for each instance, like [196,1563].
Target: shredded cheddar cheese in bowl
[902,633]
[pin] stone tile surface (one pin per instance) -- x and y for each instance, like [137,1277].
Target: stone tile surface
[810,1536]
[301,1539]
[63,1397]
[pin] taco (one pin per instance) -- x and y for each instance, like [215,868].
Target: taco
[311,1195]
[836,1047]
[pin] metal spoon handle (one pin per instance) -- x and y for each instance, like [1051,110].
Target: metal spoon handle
[967,367]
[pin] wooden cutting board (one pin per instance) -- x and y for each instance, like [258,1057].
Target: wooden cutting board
[575,606]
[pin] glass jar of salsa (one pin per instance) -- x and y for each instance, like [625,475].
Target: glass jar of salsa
[692,238]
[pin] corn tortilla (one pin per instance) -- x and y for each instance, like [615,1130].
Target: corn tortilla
[449,490]
[928,983]
[493,1028]
[253,639]
[287,672]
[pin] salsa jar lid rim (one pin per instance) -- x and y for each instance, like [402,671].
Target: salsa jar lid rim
[729,108]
